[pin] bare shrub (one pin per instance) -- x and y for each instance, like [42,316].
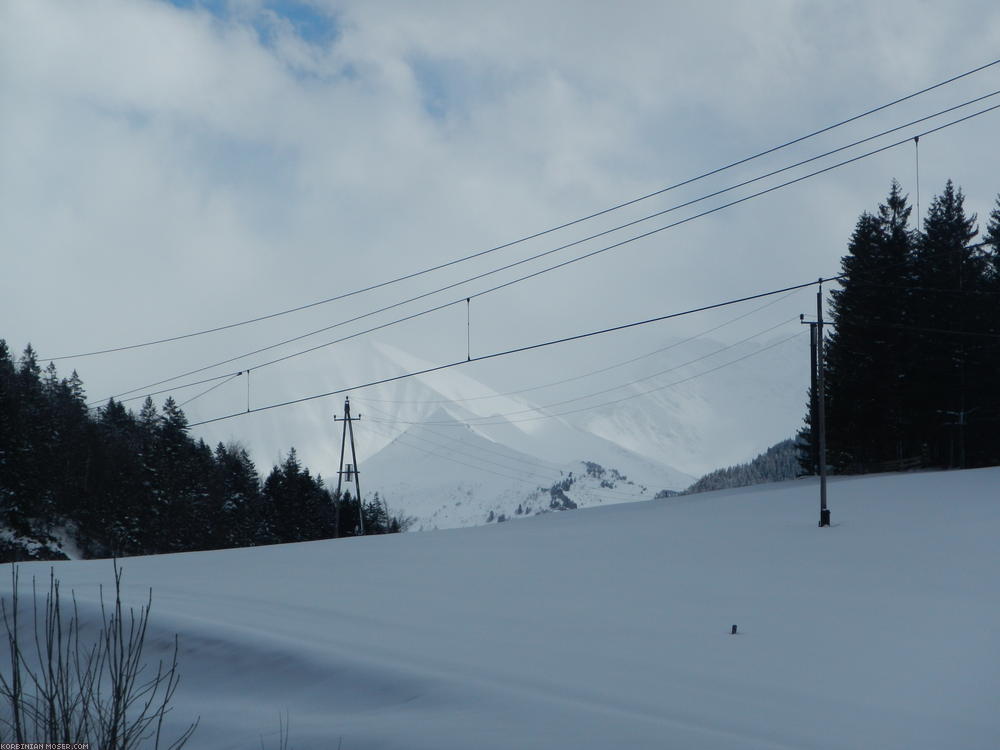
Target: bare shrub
[62,688]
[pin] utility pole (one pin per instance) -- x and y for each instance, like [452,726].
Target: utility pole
[352,469]
[817,404]
[813,401]
[824,512]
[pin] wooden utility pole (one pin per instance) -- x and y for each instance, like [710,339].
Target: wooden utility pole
[352,469]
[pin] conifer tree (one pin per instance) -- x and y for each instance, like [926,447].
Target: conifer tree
[867,353]
[947,274]
[67,410]
[115,519]
[992,239]
[299,506]
[28,428]
[981,438]
[347,518]
[8,439]
[181,490]
[376,516]
[912,360]
[237,497]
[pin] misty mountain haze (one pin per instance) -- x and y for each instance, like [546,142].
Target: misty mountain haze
[426,441]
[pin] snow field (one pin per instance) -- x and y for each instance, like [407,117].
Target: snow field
[603,628]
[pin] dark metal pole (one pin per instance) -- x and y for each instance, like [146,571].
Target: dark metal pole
[824,512]
[354,457]
[813,401]
[340,474]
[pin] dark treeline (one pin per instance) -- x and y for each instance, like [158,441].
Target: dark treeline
[776,464]
[118,483]
[914,351]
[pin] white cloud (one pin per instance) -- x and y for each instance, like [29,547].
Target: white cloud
[165,169]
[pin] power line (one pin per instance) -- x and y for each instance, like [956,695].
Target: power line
[591,407]
[578,337]
[209,390]
[581,376]
[519,350]
[544,270]
[385,325]
[535,235]
[628,384]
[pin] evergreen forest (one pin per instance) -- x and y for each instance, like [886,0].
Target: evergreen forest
[777,464]
[912,351]
[109,482]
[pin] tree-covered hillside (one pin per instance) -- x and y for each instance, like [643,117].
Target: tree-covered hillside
[111,482]
[776,464]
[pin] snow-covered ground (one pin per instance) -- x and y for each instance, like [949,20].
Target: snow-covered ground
[604,628]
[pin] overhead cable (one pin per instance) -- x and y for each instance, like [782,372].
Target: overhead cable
[548,269]
[581,376]
[546,407]
[535,235]
[613,402]
[518,350]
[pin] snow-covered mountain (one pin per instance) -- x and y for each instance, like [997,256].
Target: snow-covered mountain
[449,449]
[460,453]
[449,475]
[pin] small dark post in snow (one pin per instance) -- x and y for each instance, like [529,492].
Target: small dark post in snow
[734,630]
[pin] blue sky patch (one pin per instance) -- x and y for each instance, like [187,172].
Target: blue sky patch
[310,23]
[444,85]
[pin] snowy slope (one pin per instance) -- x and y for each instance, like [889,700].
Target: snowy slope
[449,475]
[447,458]
[446,480]
[444,401]
[659,432]
[686,418]
[604,628]
[702,417]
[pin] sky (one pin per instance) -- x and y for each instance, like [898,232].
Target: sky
[168,167]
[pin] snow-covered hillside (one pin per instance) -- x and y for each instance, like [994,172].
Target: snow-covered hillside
[452,451]
[449,475]
[603,628]
[660,430]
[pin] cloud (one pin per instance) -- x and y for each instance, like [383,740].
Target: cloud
[167,167]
